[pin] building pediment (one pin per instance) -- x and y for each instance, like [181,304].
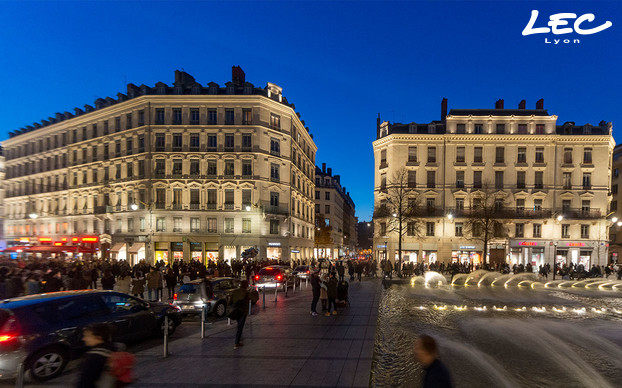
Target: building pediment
[566,195]
[539,194]
[430,193]
[461,193]
[521,194]
[586,195]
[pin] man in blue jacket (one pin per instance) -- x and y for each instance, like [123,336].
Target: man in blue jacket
[436,373]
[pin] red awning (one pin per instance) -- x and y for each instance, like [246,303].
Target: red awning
[50,249]
[16,248]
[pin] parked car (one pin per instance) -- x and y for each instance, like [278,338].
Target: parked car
[276,276]
[45,330]
[192,296]
[304,271]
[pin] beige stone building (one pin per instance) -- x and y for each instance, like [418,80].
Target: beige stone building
[335,212]
[552,184]
[615,208]
[166,172]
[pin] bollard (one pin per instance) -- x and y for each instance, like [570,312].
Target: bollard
[249,307]
[294,290]
[228,321]
[286,288]
[264,298]
[276,291]
[165,336]
[19,380]
[203,322]
[307,282]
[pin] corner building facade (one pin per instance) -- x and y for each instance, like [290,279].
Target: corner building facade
[552,183]
[169,172]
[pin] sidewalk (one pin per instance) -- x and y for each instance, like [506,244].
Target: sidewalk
[283,346]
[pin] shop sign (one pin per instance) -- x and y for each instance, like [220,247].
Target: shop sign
[274,244]
[381,246]
[295,251]
[575,244]
[467,246]
[528,243]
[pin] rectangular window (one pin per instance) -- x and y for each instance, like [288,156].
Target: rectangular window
[229,142]
[274,172]
[460,155]
[246,225]
[539,155]
[431,154]
[247,117]
[128,121]
[229,117]
[567,155]
[275,121]
[500,129]
[429,229]
[383,229]
[212,117]
[566,205]
[129,146]
[587,181]
[587,156]
[460,128]
[522,129]
[565,230]
[275,147]
[195,143]
[177,166]
[478,129]
[141,118]
[520,179]
[195,224]
[539,179]
[431,181]
[160,142]
[537,230]
[274,226]
[520,207]
[194,167]
[412,154]
[459,179]
[519,230]
[585,206]
[194,116]
[500,155]
[194,198]
[521,156]
[585,231]
[567,180]
[177,224]
[412,179]
[537,205]
[460,203]
[159,116]
[229,199]
[274,199]
[499,180]
[228,225]
[246,197]
[459,227]
[177,116]
[177,141]
[539,129]
[117,124]
[212,142]
[160,224]
[229,168]
[326,209]
[247,168]
[142,224]
[247,142]
[478,154]
[477,179]
[212,225]
[614,189]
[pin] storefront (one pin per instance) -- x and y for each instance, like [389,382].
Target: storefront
[196,251]
[429,257]
[527,252]
[466,254]
[177,250]
[274,251]
[578,253]
[136,253]
[229,253]
[161,251]
[211,256]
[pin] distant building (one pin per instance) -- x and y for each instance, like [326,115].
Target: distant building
[335,220]
[615,235]
[167,172]
[551,185]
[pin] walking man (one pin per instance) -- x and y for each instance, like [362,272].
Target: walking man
[315,288]
[240,299]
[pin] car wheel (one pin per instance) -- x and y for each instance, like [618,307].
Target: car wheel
[171,325]
[48,363]
[220,309]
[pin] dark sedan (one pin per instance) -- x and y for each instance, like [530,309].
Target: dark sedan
[45,331]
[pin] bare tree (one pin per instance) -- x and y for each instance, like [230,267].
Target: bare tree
[323,232]
[484,221]
[400,210]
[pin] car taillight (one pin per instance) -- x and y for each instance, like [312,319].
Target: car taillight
[256,277]
[308,271]
[279,277]
[174,296]
[7,337]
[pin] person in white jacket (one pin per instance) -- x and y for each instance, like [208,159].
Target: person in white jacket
[123,283]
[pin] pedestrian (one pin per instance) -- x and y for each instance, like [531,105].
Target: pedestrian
[153,281]
[108,281]
[240,301]
[315,288]
[436,373]
[331,291]
[340,270]
[171,282]
[97,337]
[138,285]
[323,294]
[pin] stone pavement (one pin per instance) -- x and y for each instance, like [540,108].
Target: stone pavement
[283,346]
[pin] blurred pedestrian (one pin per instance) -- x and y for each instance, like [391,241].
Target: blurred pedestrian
[240,301]
[315,288]
[436,373]
[97,337]
[331,292]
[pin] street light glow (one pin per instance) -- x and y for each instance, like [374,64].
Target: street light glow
[619,223]
[134,206]
[614,219]
[450,216]
[248,208]
[394,214]
[33,215]
[560,217]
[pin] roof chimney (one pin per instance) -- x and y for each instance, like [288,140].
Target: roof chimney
[329,171]
[443,109]
[499,104]
[378,126]
[521,105]
[540,104]
[237,75]
[323,168]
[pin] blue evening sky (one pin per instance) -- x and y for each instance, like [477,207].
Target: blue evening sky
[340,62]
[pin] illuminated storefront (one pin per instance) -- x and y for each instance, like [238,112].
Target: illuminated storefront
[196,251]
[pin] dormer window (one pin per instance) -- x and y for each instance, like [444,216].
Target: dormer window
[460,128]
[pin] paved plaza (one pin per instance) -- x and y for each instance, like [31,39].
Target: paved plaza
[283,346]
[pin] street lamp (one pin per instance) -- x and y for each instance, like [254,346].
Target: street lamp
[450,216]
[33,215]
[134,207]
[560,218]
[614,219]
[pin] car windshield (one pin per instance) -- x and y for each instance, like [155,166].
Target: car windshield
[188,289]
[269,272]
[301,268]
